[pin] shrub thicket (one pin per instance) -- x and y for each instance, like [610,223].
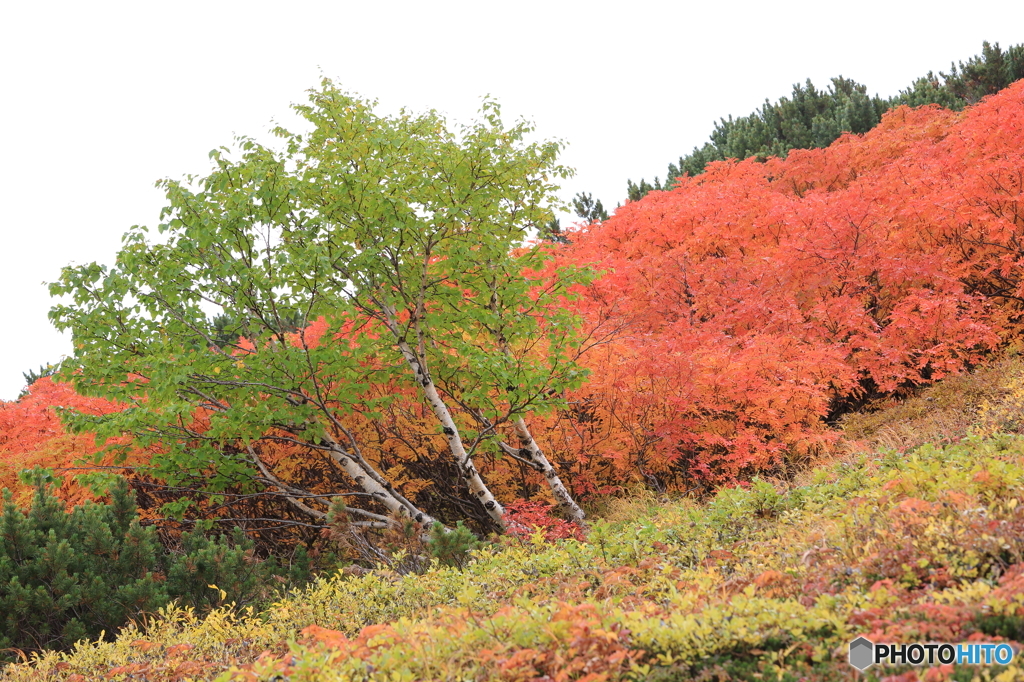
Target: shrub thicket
[760,583]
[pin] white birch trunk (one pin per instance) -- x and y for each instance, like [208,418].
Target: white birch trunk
[533,452]
[374,484]
[477,487]
[285,489]
[361,471]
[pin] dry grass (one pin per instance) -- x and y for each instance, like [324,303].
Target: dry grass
[637,502]
[985,401]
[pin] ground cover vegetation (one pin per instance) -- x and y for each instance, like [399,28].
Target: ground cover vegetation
[343,349]
[763,581]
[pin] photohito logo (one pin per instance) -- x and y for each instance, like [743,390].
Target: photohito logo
[865,653]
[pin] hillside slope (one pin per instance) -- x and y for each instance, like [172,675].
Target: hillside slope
[760,302]
[761,582]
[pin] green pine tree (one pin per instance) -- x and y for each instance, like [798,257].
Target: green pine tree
[588,209]
[811,118]
[69,575]
[66,575]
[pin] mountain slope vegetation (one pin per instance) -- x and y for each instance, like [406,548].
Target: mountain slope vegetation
[755,304]
[764,579]
[787,393]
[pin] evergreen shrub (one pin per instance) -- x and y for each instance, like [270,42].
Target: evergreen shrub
[85,573]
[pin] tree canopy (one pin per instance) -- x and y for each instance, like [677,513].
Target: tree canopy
[370,269]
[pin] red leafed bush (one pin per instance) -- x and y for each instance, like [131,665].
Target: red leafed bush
[525,518]
[31,435]
[743,308]
[737,314]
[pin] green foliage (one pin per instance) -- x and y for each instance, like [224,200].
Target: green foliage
[737,510]
[588,209]
[966,83]
[207,572]
[1009,627]
[808,119]
[392,238]
[452,547]
[667,593]
[67,576]
[551,231]
[637,192]
[72,575]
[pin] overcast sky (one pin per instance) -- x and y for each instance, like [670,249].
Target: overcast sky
[98,100]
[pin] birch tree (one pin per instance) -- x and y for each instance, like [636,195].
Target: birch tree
[400,240]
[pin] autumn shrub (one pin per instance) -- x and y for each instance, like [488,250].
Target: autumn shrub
[745,309]
[32,435]
[527,517]
[737,318]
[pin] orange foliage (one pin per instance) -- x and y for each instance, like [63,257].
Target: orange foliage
[31,435]
[758,298]
[738,312]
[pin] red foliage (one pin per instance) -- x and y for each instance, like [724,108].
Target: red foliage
[525,518]
[31,435]
[755,299]
[738,311]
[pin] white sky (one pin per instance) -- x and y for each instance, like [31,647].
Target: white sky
[100,99]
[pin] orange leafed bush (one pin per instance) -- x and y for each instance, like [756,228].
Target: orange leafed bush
[31,435]
[737,314]
[756,300]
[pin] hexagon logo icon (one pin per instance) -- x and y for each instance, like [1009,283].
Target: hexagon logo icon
[862,653]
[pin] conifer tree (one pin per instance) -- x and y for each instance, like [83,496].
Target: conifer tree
[588,209]
[810,118]
[66,575]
